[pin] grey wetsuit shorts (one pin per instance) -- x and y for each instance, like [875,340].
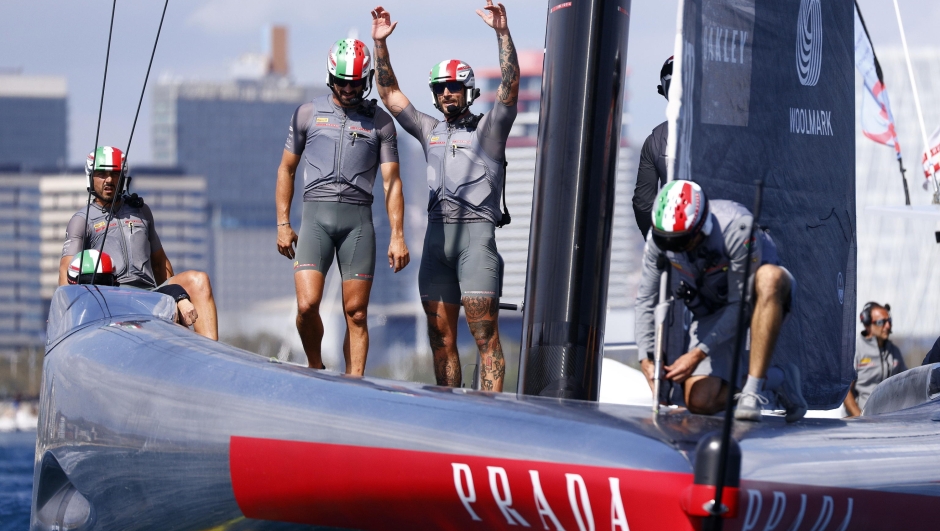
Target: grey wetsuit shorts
[343,229]
[460,260]
[718,361]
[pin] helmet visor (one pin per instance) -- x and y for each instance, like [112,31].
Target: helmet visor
[355,83]
[676,244]
[453,86]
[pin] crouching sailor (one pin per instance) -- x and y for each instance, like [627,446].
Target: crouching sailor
[705,242]
[132,242]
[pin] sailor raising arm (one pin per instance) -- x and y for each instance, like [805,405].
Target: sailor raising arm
[466,173]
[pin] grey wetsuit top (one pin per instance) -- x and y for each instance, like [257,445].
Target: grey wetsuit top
[342,149]
[874,365]
[715,269]
[465,163]
[132,238]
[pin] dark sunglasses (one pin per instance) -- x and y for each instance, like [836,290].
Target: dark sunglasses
[355,83]
[453,86]
[881,322]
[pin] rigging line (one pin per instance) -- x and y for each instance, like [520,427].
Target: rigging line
[146,78]
[716,513]
[920,113]
[123,177]
[91,185]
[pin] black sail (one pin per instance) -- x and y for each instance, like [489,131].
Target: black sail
[767,92]
[573,201]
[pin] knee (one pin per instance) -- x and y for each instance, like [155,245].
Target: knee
[356,314]
[483,332]
[307,308]
[772,283]
[701,402]
[201,284]
[196,284]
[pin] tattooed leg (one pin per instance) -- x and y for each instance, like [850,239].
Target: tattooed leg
[442,335]
[482,314]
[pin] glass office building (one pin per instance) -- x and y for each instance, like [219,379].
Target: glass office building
[33,123]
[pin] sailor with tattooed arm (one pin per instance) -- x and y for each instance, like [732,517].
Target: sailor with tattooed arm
[466,155]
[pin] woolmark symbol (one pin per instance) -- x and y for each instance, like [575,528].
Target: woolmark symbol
[809,41]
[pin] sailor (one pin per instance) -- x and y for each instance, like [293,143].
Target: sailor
[706,244]
[876,357]
[92,267]
[132,241]
[344,139]
[651,172]
[466,156]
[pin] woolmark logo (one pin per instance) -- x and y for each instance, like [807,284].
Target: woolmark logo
[809,41]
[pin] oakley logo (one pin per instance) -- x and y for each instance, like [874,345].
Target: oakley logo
[809,41]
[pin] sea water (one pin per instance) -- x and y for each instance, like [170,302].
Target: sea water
[16,479]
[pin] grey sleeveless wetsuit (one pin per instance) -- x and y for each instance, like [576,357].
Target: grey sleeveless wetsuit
[342,150]
[132,238]
[465,183]
[715,269]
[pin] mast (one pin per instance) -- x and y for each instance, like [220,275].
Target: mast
[573,200]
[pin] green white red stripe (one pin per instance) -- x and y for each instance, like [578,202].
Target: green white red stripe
[349,59]
[678,207]
[87,260]
[108,158]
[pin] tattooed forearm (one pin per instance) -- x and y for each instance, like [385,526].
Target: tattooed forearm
[508,92]
[385,76]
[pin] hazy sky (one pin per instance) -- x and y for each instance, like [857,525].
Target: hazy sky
[201,38]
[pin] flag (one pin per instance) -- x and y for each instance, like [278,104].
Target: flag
[877,119]
[931,158]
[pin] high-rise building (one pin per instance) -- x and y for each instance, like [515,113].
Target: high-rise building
[33,114]
[897,253]
[233,133]
[22,315]
[513,240]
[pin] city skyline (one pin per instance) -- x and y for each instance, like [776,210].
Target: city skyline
[202,39]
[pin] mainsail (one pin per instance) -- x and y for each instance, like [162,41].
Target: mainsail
[766,91]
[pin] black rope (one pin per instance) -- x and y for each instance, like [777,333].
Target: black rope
[122,179]
[715,520]
[91,185]
[146,78]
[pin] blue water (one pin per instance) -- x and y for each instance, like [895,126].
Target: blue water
[16,479]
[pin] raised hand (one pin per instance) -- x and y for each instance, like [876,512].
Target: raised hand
[494,16]
[382,25]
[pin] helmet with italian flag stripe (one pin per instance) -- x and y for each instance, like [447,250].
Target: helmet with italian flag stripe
[680,213]
[82,268]
[453,70]
[105,158]
[349,60]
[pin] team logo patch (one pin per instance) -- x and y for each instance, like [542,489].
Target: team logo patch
[99,226]
[323,120]
[864,362]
